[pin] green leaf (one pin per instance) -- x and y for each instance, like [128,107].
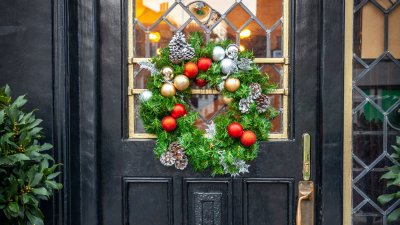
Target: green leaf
[41,191]
[25,198]
[20,101]
[46,146]
[36,179]
[1,116]
[383,199]
[34,219]
[389,175]
[53,184]
[13,207]
[394,215]
[7,90]
[53,175]
[9,160]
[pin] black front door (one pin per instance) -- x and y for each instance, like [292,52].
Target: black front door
[134,188]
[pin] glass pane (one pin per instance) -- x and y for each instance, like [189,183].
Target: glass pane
[372,186]
[370,38]
[372,29]
[208,107]
[275,73]
[140,77]
[255,22]
[139,126]
[367,219]
[394,32]
[276,102]
[367,134]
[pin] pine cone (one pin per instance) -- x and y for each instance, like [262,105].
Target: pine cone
[182,163]
[263,103]
[255,90]
[188,53]
[179,50]
[167,159]
[244,105]
[177,151]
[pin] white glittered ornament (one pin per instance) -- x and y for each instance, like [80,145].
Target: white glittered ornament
[228,66]
[232,51]
[145,96]
[218,53]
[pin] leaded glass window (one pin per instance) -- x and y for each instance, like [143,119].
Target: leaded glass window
[376,105]
[257,25]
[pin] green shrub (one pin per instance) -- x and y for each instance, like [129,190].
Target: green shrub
[392,178]
[27,172]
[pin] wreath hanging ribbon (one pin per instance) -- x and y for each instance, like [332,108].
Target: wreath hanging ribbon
[230,141]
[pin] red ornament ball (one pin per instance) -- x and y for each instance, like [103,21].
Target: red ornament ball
[191,70]
[200,82]
[248,138]
[204,64]
[178,111]
[168,123]
[235,130]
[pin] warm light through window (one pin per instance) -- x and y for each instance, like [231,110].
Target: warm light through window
[245,33]
[154,36]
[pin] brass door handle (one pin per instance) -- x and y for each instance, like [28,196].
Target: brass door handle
[305,204]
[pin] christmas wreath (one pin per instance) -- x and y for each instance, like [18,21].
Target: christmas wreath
[231,139]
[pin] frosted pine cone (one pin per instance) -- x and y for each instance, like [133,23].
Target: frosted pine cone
[263,103]
[175,57]
[244,105]
[177,151]
[255,90]
[167,159]
[188,53]
[179,50]
[182,163]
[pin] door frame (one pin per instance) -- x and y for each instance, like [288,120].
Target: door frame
[76,55]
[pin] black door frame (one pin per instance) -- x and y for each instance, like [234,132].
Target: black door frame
[75,32]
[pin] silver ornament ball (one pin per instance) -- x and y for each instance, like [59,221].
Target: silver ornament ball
[145,96]
[218,53]
[232,51]
[228,66]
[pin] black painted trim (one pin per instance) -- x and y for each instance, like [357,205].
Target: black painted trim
[331,112]
[61,200]
[125,194]
[288,181]
[88,113]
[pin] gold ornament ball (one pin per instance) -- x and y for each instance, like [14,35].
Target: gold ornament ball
[232,84]
[227,100]
[168,90]
[181,82]
[168,72]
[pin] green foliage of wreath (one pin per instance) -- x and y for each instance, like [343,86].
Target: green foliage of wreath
[221,153]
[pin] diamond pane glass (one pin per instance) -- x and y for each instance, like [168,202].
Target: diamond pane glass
[376,103]
[208,107]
